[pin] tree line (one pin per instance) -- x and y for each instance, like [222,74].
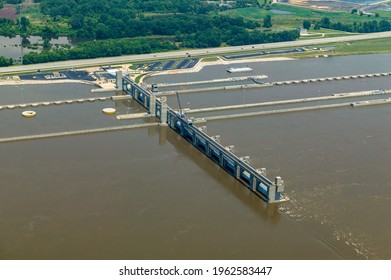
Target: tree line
[104,48]
[134,7]
[215,37]
[359,27]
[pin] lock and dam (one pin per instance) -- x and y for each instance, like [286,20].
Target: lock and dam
[180,121]
[237,167]
[77,183]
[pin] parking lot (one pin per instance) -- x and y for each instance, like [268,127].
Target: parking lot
[169,65]
[67,74]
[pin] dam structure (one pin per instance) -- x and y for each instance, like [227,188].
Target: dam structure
[238,167]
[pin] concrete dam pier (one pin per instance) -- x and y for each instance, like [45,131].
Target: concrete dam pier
[51,103]
[257,83]
[234,79]
[337,78]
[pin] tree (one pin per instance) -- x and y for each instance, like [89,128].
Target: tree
[5,61]
[47,32]
[267,21]
[306,24]
[102,31]
[25,41]
[46,44]
[77,21]
[325,22]
[384,25]
[24,22]
[354,11]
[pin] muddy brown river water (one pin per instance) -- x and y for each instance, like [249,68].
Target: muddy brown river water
[147,194]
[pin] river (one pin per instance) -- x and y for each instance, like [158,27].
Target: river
[147,194]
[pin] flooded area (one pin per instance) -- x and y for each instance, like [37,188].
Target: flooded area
[10,47]
[128,194]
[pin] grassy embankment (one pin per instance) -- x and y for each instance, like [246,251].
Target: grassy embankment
[372,46]
[138,78]
[363,47]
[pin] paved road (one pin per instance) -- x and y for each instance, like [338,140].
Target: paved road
[182,54]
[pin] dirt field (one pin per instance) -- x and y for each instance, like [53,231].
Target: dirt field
[9,11]
[335,5]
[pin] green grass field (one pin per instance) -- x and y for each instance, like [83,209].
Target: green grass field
[210,59]
[348,48]
[298,15]
[34,15]
[324,33]
[366,46]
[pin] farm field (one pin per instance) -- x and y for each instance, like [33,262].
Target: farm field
[8,11]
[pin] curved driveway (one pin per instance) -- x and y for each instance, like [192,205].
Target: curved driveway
[181,54]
